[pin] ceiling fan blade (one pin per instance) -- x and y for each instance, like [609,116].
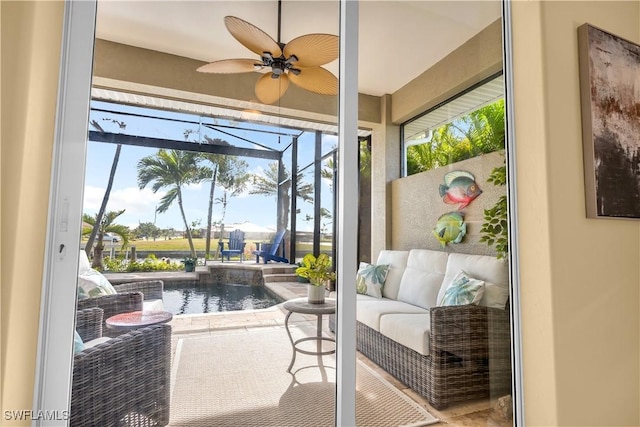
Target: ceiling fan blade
[269,90]
[316,79]
[313,50]
[252,37]
[228,66]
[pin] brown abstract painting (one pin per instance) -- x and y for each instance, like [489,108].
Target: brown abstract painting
[610,96]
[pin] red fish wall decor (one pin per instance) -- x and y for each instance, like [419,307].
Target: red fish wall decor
[459,188]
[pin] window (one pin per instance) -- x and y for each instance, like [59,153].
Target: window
[466,126]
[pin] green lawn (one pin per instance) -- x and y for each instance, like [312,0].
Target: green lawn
[172,245]
[199,244]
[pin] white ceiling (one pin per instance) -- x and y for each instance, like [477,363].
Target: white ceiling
[398,40]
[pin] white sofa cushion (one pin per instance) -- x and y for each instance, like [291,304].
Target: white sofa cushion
[370,309]
[152,305]
[423,277]
[491,270]
[397,261]
[96,341]
[410,330]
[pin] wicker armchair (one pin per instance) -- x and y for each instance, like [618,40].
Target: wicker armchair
[151,289]
[129,298]
[124,381]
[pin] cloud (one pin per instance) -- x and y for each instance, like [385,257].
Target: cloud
[193,187]
[134,200]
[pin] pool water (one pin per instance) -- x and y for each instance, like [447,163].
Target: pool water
[195,297]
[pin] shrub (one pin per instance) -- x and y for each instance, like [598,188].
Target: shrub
[119,265]
[495,229]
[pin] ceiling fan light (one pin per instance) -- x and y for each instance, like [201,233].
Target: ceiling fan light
[278,68]
[292,59]
[295,71]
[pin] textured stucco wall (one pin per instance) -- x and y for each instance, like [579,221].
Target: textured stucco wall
[417,205]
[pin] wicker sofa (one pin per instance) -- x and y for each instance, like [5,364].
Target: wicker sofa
[447,354]
[122,381]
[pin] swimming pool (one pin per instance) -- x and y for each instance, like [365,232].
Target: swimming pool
[195,297]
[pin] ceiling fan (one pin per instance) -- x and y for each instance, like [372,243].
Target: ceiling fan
[298,61]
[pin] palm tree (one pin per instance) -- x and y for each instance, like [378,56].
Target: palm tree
[481,131]
[230,173]
[269,184]
[107,192]
[483,128]
[171,169]
[105,225]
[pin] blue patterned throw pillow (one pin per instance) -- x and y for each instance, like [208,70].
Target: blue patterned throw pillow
[370,279]
[78,345]
[463,290]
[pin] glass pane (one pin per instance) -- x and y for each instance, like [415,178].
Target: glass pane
[438,234]
[466,126]
[212,166]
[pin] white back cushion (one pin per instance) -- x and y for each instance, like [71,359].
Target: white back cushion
[397,261]
[423,277]
[84,266]
[493,271]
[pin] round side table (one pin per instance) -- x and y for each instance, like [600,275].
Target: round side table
[137,319]
[302,306]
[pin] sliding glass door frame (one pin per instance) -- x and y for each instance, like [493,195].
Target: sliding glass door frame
[52,388]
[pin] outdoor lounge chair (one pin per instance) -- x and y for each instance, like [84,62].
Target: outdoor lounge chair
[132,296]
[269,251]
[123,381]
[234,247]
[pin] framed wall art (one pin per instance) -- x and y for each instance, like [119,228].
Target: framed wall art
[610,98]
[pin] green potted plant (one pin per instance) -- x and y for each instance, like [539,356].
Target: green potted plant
[318,271]
[300,278]
[189,263]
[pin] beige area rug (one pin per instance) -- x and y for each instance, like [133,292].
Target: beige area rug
[240,379]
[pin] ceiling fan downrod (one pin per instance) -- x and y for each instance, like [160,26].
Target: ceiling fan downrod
[281,64]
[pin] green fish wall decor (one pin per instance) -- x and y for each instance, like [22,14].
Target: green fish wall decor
[450,228]
[459,187]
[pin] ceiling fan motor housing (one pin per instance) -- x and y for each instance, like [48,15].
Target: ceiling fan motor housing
[280,65]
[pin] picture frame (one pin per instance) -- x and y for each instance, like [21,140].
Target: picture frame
[610,103]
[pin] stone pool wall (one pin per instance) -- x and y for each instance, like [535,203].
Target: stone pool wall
[223,274]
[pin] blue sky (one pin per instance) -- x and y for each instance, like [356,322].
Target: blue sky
[140,204]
